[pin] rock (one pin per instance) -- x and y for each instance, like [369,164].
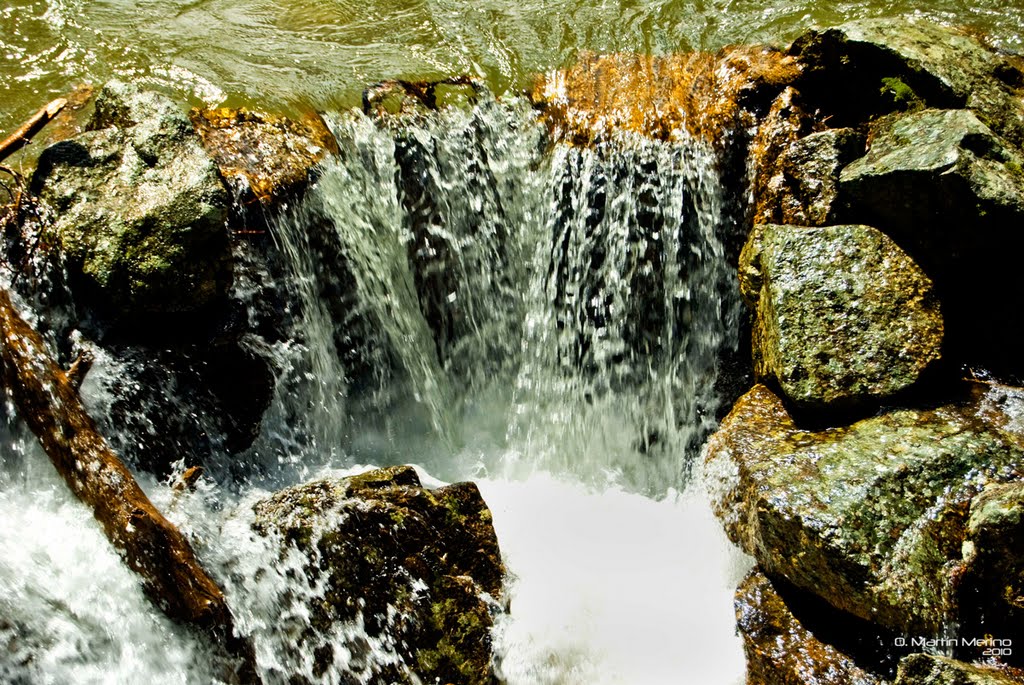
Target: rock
[708,95]
[887,65]
[139,209]
[801,186]
[417,565]
[781,650]
[932,669]
[843,315]
[951,193]
[992,588]
[786,122]
[872,516]
[266,156]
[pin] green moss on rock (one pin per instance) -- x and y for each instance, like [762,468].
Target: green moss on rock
[872,516]
[421,566]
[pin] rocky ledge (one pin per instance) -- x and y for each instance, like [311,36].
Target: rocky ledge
[870,473]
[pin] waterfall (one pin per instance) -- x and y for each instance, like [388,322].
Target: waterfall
[461,292]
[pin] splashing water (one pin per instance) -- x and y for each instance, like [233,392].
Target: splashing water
[465,295]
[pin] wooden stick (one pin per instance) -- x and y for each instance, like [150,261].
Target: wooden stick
[23,135]
[150,544]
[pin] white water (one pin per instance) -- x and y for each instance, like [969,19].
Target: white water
[575,387]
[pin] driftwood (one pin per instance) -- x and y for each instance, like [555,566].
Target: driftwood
[47,400]
[23,135]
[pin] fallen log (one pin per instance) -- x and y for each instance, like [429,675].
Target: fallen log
[23,135]
[47,400]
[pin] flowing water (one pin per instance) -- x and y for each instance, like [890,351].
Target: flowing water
[458,294]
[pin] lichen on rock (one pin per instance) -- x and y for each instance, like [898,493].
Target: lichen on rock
[843,315]
[872,516]
[419,570]
[138,208]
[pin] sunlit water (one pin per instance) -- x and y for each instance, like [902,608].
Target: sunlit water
[565,358]
[574,381]
[323,52]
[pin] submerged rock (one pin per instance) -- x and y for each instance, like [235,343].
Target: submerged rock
[842,314]
[267,156]
[418,567]
[781,650]
[887,65]
[932,669]
[139,210]
[871,517]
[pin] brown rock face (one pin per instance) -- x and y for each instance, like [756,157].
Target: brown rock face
[781,650]
[708,95]
[266,154]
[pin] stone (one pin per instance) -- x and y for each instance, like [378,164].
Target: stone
[951,193]
[782,650]
[419,567]
[802,187]
[887,65]
[933,669]
[267,157]
[992,585]
[786,122]
[138,208]
[872,516]
[706,95]
[843,316]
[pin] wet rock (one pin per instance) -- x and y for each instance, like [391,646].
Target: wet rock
[801,186]
[887,65]
[420,566]
[843,316]
[138,208]
[932,669]
[708,95]
[786,122]
[872,516]
[992,589]
[265,156]
[951,193]
[782,650]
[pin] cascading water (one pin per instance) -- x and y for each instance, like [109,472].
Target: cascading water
[463,295]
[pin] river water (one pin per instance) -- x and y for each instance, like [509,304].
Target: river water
[322,52]
[566,359]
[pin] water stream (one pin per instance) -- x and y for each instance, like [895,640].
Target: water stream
[461,296]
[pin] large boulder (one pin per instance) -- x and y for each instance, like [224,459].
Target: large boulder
[782,650]
[417,571]
[871,517]
[951,193]
[843,315]
[887,65]
[138,208]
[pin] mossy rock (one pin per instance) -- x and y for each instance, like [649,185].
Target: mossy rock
[871,517]
[418,570]
[844,316]
[891,65]
[949,191]
[138,208]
